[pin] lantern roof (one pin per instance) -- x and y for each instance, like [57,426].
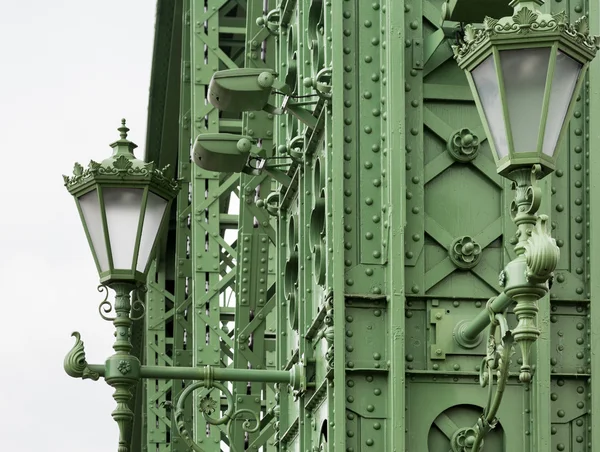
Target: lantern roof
[122,168]
[527,25]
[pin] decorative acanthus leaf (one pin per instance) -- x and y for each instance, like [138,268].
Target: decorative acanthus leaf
[77,169]
[122,163]
[489,22]
[93,166]
[560,18]
[66,179]
[525,16]
[469,33]
[582,26]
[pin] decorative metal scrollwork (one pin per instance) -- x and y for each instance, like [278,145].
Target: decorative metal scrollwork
[106,307]
[138,304]
[496,362]
[208,406]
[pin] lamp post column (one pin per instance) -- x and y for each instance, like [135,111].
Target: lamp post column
[122,368]
[526,278]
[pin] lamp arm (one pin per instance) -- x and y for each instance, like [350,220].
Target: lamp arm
[123,371]
[525,280]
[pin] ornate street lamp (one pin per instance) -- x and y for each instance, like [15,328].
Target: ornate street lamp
[525,72]
[123,203]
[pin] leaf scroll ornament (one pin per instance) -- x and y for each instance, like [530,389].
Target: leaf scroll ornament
[122,163]
[525,18]
[541,252]
[75,364]
[582,26]
[77,169]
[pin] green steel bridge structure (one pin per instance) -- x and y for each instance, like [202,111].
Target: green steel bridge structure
[322,295]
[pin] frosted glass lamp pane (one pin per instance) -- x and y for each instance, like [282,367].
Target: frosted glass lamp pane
[488,90]
[155,209]
[524,72]
[90,207]
[566,73]
[123,206]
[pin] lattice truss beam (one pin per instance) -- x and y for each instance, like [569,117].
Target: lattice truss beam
[193,314]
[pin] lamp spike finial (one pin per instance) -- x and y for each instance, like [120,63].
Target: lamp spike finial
[123,129]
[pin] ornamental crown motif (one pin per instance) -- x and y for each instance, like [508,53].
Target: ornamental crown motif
[120,167]
[526,21]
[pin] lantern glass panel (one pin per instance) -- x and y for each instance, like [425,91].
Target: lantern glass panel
[155,209]
[525,72]
[566,73]
[488,89]
[123,206]
[92,216]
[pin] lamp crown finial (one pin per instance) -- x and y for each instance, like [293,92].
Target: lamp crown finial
[533,3]
[123,129]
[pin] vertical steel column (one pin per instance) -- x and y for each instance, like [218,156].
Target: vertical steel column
[334,24]
[206,207]
[593,230]
[394,197]
[183,340]
[160,338]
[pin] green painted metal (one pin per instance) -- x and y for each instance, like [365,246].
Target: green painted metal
[356,299]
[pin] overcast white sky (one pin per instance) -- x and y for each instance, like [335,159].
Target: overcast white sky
[69,71]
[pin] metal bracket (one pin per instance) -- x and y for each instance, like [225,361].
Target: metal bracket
[443,343]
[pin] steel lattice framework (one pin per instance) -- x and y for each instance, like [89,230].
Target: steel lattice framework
[345,263]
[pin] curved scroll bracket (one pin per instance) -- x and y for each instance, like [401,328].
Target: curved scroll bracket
[106,307]
[208,406]
[496,362]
